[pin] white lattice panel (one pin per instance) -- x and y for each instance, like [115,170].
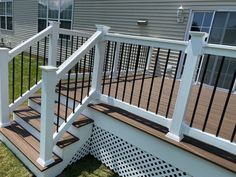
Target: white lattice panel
[124,158]
[83,151]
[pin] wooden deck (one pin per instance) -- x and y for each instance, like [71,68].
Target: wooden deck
[229,121]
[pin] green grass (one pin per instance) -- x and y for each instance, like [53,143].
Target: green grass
[10,166]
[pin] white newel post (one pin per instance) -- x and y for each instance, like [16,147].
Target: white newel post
[116,59]
[4,93]
[53,41]
[49,79]
[193,50]
[99,61]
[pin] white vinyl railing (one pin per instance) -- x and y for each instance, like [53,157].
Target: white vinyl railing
[51,75]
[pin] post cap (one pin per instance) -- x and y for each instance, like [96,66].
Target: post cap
[54,23]
[198,34]
[103,28]
[4,49]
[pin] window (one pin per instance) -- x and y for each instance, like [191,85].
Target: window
[221,27]
[6,15]
[55,10]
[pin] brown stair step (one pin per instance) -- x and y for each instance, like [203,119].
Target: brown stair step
[32,117]
[208,152]
[26,143]
[81,120]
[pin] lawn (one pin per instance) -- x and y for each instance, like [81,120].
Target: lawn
[10,166]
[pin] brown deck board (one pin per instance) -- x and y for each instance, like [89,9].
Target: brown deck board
[214,116]
[201,149]
[32,117]
[26,143]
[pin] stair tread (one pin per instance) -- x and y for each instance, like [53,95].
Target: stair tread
[26,143]
[79,122]
[196,147]
[32,117]
[37,99]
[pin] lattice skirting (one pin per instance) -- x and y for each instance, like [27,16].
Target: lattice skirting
[125,159]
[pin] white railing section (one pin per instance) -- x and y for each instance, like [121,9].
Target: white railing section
[51,75]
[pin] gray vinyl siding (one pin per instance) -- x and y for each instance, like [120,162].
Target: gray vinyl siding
[122,15]
[25,21]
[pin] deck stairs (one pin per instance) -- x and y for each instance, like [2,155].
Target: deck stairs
[23,137]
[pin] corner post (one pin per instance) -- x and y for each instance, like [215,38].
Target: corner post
[194,50]
[49,79]
[99,60]
[53,41]
[4,93]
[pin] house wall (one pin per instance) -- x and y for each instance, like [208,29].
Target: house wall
[25,22]
[122,15]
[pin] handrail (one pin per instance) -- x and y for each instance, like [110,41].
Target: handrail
[26,44]
[77,55]
[75,32]
[220,50]
[147,41]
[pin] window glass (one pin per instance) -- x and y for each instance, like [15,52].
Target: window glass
[53,8]
[9,23]
[66,9]
[3,23]
[2,8]
[9,8]
[42,24]
[42,9]
[201,21]
[232,20]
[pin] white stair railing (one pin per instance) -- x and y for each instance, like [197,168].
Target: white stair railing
[51,75]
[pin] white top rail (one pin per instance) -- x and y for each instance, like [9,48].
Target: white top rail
[76,56]
[75,32]
[148,41]
[31,41]
[220,50]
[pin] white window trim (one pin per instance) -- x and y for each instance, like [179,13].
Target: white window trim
[5,16]
[59,15]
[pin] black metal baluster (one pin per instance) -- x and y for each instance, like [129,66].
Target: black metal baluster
[13,80]
[45,50]
[90,69]
[22,75]
[58,104]
[213,94]
[76,80]
[163,81]
[127,71]
[67,40]
[226,104]
[233,135]
[199,91]
[153,77]
[182,69]
[83,77]
[135,73]
[143,78]
[118,77]
[37,64]
[30,61]
[67,94]
[60,57]
[173,85]
[112,68]
[106,63]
